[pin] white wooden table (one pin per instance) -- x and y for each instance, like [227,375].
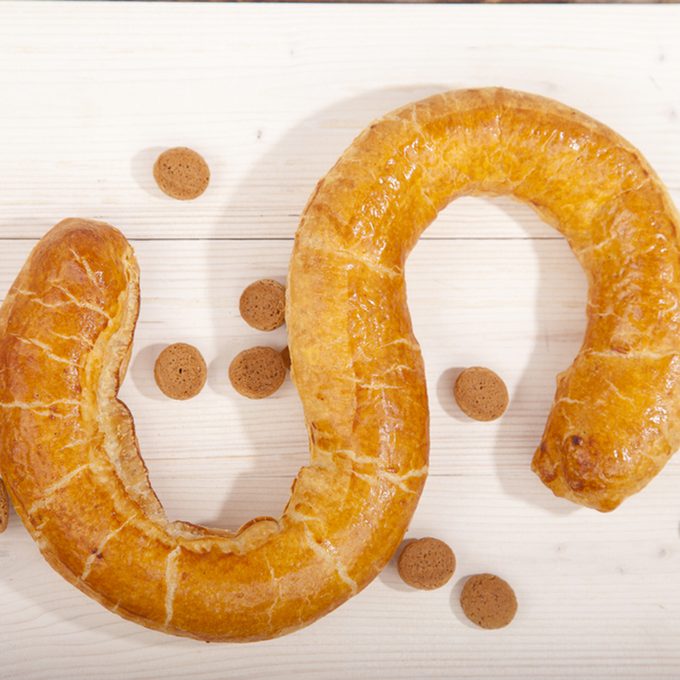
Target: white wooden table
[89,93]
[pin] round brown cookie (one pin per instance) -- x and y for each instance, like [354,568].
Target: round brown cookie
[4,507]
[263,305]
[488,601]
[427,563]
[481,394]
[257,372]
[181,173]
[180,371]
[285,355]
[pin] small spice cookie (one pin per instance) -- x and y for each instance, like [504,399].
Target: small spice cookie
[263,305]
[427,563]
[4,507]
[180,371]
[488,601]
[181,173]
[481,394]
[285,355]
[257,372]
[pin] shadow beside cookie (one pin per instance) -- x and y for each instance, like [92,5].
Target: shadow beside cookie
[447,401]
[141,167]
[390,574]
[141,371]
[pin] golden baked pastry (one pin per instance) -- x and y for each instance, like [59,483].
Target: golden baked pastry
[68,452]
[616,417]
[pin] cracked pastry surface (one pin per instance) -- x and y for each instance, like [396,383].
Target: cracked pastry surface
[68,451]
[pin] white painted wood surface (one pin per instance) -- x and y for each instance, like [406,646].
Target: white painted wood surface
[271,95]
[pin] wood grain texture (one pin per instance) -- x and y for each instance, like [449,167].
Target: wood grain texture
[272,94]
[91,92]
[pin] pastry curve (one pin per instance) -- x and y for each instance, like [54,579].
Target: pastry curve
[68,452]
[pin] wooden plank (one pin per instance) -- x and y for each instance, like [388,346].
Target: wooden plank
[272,94]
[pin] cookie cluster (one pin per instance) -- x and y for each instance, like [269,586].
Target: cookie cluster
[428,563]
[181,372]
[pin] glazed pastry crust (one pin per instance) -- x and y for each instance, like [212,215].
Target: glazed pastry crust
[615,420]
[68,451]
[70,459]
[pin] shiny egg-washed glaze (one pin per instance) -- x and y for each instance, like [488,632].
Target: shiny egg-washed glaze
[68,451]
